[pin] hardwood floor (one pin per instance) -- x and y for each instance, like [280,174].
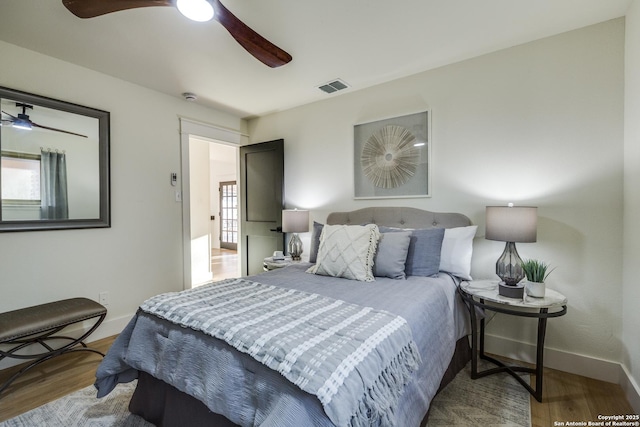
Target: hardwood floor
[224,263]
[50,380]
[566,397]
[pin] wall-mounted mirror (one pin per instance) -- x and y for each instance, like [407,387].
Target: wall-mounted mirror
[54,168]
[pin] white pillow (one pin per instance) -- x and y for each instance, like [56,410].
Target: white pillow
[347,251]
[457,248]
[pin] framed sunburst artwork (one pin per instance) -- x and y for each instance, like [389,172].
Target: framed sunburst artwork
[392,157]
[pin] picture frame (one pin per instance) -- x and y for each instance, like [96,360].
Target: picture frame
[392,157]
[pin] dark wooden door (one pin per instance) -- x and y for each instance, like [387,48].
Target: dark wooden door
[262,196]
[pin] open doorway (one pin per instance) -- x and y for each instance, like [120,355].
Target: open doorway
[225,259]
[210,156]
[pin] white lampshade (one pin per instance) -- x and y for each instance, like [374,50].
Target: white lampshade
[295,221]
[512,223]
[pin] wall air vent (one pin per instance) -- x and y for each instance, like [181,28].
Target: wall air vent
[333,86]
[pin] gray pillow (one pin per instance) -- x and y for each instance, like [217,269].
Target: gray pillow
[423,258]
[315,241]
[392,254]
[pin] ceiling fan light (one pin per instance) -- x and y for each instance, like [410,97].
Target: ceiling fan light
[21,124]
[196,10]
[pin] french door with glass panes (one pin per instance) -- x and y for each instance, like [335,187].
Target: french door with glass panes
[229,215]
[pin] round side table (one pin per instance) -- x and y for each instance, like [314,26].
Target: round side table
[484,294]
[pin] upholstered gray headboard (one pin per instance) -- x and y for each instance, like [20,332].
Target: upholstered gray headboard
[399,217]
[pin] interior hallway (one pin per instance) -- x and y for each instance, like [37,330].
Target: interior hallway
[225,263]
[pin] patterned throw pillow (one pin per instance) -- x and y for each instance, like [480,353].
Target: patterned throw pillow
[347,251]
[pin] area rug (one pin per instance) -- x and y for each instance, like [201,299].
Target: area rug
[496,400]
[83,409]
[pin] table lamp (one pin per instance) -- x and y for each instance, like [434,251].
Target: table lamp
[295,221]
[511,224]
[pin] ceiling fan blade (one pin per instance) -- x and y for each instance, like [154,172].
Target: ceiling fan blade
[261,48]
[12,117]
[93,8]
[35,125]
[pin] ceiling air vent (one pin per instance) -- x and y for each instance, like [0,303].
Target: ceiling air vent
[333,86]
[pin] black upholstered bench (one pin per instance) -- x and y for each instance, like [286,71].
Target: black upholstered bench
[38,324]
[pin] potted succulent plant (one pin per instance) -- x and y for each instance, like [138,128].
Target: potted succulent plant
[536,273]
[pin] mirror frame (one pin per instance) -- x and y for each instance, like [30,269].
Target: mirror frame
[104,220]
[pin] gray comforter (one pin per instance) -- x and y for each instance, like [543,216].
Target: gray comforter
[247,392]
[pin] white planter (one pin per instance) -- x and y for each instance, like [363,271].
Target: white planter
[535,289]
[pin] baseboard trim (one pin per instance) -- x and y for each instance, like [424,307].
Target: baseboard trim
[587,366]
[108,328]
[111,327]
[631,388]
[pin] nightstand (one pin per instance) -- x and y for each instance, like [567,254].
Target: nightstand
[484,294]
[270,264]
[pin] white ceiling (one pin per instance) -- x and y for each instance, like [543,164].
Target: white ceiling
[363,42]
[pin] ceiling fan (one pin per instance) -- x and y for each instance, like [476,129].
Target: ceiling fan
[199,10]
[22,121]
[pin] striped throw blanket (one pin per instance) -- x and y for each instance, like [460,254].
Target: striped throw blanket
[355,359]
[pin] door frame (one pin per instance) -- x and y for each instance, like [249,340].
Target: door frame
[188,128]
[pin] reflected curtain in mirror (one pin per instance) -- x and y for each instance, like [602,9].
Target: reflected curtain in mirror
[53,185]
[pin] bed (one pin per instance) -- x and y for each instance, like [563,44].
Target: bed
[189,377]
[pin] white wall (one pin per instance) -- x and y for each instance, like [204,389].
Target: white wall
[630,286]
[141,254]
[538,124]
[200,199]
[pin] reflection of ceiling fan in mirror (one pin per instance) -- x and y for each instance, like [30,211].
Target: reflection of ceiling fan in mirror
[22,121]
[197,10]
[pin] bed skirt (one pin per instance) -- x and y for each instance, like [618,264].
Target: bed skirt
[165,406]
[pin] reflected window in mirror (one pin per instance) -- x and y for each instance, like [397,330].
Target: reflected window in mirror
[55,164]
[20,185]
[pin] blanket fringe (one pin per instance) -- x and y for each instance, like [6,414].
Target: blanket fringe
[377,406]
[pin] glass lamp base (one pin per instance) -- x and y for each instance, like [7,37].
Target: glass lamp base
[509,265]
[295,247]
